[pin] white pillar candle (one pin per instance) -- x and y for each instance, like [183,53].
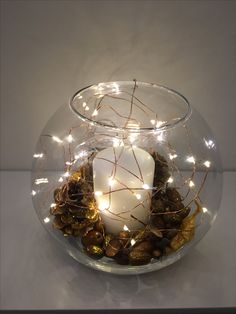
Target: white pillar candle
[123,181]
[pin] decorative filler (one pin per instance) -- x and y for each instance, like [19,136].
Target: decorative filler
[128,179]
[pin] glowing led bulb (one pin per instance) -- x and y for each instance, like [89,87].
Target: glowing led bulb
[170,180]
[70,138]
[125,228]
[98,193]
[132,242]
[173,156]
[146,186]
[207,163]
[191,159]
[46,220]
[191,184]
[56,139]
[138,196]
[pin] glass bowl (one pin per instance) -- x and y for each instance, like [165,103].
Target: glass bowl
[127,177]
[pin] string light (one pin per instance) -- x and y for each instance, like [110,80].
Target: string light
[210,144]
[60,179]
[56,139]
[103,205]
[38,155]
[87,108]
[138,196]
[146,186]
[125,228]
[41,180]
[70,138]
[132,242]
[53,205]
[84,104]
[173,156]
[46,220]
[33,192]
[69,163]
[204,209]
[95,113]
[191,184]
[66,174]
[98,193]
[207,163]
[191,159]
[170,180]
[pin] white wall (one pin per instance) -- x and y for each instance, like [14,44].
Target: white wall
[50,49]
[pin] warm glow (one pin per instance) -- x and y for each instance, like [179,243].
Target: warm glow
[138,196]
[146,186]
[170,180]
[103,205]
[46,220]
[153,121]
[111,181]
[98,193]
[204,209]
[53,205]
[117,142]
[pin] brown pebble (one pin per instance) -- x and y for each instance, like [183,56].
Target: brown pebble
[92,238]
[124,237]
[172,218]
[68,230]
[137,257]
[170,233]
[156,253]
[67,219]
[158,222]
[173,195]
[57,223]
[122,257]
[99,226]
[94,251]
[144,246]
[113,248]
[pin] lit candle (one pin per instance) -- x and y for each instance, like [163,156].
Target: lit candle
[123,181]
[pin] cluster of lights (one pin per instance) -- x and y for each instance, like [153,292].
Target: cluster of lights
[210,144]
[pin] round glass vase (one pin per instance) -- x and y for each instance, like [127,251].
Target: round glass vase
[127,177]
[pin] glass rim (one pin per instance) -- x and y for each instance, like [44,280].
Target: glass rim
[164,127]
